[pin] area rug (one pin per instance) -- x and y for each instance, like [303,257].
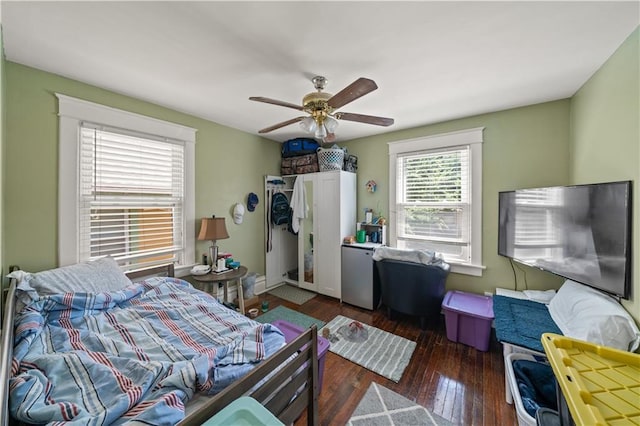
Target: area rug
[382,406]
[383,353]
[289,315]
[293,294]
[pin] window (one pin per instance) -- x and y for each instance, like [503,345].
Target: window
[126,187]
[435,197]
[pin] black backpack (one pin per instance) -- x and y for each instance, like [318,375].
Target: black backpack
[279,209]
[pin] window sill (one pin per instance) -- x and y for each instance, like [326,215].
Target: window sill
[183,270]
[467,269]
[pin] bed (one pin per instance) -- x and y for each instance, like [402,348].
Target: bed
[576,311]
[142,351]
[520,323]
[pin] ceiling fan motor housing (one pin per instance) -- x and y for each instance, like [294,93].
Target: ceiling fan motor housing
[319,82]
[315,103]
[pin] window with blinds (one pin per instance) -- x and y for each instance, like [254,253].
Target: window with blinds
[131,203]
[433,201]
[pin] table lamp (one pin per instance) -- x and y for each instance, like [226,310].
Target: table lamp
[213,228]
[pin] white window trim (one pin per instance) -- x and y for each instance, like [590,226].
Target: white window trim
[72,112]
[473,138]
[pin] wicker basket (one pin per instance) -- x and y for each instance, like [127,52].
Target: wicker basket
[330,159]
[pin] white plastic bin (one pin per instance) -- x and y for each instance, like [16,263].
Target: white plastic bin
[524,419]
[508,348]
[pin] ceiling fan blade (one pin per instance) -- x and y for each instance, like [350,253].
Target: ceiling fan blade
[279,125]
[275,102]
[358,88]
[361,118]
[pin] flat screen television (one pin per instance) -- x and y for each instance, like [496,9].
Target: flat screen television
[580,232]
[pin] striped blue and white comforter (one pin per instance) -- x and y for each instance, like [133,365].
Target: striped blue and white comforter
[135,355]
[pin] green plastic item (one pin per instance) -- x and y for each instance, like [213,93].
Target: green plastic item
[244,411]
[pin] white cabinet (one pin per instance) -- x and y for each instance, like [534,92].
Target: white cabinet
[331,197]
[334,219]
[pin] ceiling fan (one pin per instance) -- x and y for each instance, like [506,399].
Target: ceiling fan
[321,107]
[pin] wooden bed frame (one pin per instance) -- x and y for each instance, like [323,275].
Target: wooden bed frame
[286,393]
[285,386]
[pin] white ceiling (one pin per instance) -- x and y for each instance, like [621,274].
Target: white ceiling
[432,61]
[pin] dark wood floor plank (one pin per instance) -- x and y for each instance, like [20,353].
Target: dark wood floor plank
[450,379]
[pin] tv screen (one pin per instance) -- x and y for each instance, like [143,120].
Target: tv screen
[580,232]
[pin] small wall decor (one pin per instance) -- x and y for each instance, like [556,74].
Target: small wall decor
[368,215]
[371,186]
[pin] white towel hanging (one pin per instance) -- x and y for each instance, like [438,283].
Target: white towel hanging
[298,204]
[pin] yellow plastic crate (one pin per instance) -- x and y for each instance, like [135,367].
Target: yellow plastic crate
[600,384]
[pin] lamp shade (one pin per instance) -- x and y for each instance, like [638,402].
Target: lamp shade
[213,228]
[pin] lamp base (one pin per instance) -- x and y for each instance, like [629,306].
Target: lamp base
[213,256]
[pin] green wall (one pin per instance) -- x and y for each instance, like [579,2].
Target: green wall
[605,135]
[523,147]
[229,164]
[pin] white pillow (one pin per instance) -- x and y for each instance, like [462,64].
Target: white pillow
[540,296]
[90,277]
[587,314]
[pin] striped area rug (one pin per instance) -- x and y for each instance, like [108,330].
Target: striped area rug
[383,353]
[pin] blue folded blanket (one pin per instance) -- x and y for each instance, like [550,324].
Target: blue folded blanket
[536,384]
[522,322]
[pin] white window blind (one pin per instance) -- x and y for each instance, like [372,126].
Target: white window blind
[434,201]
[132,197]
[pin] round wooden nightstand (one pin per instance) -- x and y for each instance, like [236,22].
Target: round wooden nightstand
[224,278]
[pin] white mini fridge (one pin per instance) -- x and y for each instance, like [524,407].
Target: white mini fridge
[358,276]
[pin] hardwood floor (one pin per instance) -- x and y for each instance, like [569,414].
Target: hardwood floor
[450,379]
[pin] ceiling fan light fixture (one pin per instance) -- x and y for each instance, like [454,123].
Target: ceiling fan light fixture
[330,123]
[321,132]
[308,124]
[331,137]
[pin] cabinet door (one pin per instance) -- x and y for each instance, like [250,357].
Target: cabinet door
[327,234]
[282,257]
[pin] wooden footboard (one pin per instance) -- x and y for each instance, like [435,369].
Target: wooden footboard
[286,393]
